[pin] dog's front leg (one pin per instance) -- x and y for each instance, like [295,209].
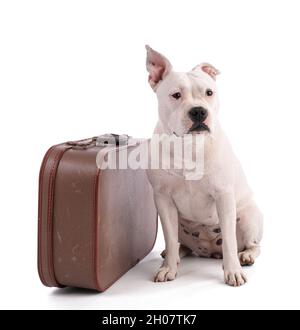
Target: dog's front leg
[169,220]
[226,207]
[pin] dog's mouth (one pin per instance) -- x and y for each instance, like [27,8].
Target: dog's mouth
[199,127]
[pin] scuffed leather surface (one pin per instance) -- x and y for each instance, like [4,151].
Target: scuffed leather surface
[103,222]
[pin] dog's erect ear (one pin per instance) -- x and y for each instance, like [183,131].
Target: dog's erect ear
[157,66]
[207,68]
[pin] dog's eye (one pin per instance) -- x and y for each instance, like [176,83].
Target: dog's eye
[209,92]
[176,96]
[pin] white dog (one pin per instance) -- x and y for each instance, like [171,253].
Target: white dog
[215,216]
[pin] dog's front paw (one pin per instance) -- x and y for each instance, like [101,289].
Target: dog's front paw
[234,276]
[165,273]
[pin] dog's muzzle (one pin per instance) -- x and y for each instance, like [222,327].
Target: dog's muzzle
[198,116]
[199,127]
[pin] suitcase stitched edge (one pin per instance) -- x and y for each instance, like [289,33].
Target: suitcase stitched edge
[49,214]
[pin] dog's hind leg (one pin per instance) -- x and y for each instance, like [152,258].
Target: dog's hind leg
[249,234]
[183,251]
[248,256]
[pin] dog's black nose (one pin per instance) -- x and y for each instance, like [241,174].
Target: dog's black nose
[198,114]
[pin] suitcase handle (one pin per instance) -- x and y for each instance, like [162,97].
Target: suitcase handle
[112,139]
[104,140]
[82,143]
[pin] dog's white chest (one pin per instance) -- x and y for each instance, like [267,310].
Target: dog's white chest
[194,203]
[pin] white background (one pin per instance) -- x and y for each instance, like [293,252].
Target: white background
[75,69]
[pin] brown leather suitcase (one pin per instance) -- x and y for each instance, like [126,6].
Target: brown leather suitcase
[93,225]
